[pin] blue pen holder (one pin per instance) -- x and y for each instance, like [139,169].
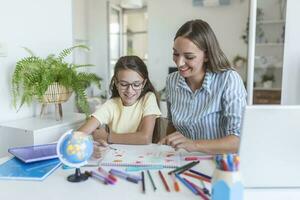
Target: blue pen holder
[227,185]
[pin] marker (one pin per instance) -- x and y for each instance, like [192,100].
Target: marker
[107,175]
[195,158]
[123,175]
[230,162]
[99,177]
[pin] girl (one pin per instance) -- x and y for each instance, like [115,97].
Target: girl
[131,112]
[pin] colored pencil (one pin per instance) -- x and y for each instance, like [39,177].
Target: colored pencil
[164,181]
[184,167]
[200,174]
[176,185]
[143,182]
[199,190]
[151,180]
[197,177]
[184,182]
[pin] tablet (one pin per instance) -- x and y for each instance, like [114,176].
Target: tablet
[34,153]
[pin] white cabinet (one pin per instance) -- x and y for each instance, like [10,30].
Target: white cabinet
[36,130]
[268,51]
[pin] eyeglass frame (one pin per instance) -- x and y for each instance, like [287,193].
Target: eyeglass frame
[126,86]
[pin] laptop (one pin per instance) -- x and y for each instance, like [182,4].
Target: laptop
[270,147]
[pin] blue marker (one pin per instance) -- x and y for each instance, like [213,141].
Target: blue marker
[230,162]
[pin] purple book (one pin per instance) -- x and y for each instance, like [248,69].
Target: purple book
[35,153]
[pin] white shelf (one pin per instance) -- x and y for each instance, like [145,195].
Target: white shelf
[271,22]
[270,44]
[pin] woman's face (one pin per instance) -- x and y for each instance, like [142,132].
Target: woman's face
[129,84]
[188,58]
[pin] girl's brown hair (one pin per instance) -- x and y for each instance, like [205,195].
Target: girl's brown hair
[201,34]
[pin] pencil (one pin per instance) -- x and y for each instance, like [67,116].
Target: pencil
[151,180]
[164,180]
[143,182]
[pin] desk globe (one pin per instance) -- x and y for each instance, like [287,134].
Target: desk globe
[74,150]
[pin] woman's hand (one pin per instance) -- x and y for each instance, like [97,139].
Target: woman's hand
[100,148]
[177,141]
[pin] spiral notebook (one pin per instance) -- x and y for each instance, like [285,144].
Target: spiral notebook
[141,155]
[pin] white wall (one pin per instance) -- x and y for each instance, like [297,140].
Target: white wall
[44,27]
[97,38]
[291,61]
[165,17]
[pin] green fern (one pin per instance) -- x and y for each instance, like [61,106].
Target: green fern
[33,75]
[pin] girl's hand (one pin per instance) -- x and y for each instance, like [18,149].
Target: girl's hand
[100,134]
[177,141]
[100,148]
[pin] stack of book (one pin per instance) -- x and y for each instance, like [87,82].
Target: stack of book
[30,163]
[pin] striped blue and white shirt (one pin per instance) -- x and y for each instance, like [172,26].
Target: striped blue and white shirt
[212,111]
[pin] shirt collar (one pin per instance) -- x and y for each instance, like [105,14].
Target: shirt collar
[205,85]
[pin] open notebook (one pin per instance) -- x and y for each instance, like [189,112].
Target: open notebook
[143,155]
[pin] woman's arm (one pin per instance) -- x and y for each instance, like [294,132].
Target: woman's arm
[227,144]
[142,136]
[170,128]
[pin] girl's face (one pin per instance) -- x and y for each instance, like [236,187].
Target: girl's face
[129,84]
[188,58]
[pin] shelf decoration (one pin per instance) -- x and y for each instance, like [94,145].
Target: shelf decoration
[208,3]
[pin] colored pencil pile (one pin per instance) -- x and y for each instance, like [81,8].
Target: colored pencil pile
[227,162]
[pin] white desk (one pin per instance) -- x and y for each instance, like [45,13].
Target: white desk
[56,187]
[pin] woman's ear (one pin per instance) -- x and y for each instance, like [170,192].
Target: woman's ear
[144,82]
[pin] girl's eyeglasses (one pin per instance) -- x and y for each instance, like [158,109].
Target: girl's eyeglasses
[137,85]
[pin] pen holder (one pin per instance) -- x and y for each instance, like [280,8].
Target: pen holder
[227,185]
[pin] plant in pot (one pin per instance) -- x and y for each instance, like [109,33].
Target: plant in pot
[52,80]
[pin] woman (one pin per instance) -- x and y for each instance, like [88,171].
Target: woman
[206,97]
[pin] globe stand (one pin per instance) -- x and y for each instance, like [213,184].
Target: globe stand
[77,177]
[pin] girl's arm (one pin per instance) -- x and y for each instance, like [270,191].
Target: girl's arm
[89,126]
[142,136]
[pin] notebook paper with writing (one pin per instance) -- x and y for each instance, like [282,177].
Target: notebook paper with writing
[142,155]
[17,170]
